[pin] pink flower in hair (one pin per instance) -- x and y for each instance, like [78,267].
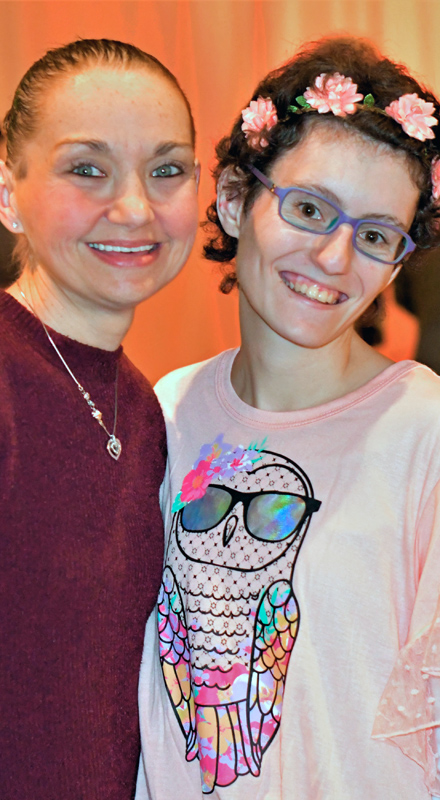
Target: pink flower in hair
[435,177]
[334,93]
[415,115]
[260,115]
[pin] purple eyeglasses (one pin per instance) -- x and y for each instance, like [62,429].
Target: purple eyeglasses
[313,213]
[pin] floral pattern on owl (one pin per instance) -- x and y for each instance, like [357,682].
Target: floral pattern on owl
[227,614]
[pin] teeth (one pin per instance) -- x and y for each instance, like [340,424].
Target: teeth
[110,248]
[314,292]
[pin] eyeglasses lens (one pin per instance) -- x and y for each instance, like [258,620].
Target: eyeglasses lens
[274,517]
[308,212]
[380,241]
[311,213]
[205,513]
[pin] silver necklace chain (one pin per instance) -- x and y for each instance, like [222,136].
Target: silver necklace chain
[114,446]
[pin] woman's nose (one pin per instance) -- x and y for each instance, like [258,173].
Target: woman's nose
[333,252]
[131,206]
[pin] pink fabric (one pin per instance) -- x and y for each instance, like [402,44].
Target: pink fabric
[408,713]
[264,672]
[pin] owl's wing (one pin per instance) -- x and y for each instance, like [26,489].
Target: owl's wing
[175,658]
[276,626]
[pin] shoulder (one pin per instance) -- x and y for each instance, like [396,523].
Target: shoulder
[135,377]
[403,402]
[185,385]
[404,387]
[422,388]
[408,417]
[138,396]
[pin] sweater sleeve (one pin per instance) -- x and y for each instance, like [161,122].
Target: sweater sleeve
[409,711]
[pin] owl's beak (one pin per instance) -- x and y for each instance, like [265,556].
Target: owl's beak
[229,529]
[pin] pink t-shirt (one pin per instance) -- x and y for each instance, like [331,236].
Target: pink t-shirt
[303,555]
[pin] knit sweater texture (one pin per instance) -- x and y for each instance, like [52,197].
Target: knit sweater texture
[81,549]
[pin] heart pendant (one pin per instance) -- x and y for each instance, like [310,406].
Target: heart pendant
[114,447]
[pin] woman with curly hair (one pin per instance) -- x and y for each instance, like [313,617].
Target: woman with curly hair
[298,624]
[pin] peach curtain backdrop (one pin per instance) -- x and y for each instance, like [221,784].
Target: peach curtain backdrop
[218,49]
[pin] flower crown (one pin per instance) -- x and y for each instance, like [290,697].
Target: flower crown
[216,460]
[338,95]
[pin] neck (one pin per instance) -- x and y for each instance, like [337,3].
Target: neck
[273,374]
[80,320]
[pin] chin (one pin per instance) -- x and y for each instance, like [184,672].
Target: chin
[303,336]
[129,296]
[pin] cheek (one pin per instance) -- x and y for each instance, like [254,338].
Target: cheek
[52,215]
[265,240]
[374,281]
[251,251]
[180,219]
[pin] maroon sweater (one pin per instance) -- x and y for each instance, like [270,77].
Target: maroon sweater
[81,548]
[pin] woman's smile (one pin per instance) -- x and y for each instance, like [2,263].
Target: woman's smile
[122,253]
[324,295]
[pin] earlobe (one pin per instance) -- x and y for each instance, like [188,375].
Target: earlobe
[197,170]
[8,215]
[229,204]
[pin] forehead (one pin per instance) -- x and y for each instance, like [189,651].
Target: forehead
[364,175]
[112,103]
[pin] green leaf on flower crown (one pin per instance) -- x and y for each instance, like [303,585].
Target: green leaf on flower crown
[178,504]
[369,100]
[301,100]
[293,109]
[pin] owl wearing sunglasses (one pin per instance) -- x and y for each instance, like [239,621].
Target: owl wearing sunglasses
[227,614]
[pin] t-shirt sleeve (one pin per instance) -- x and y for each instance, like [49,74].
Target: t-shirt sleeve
[409,711]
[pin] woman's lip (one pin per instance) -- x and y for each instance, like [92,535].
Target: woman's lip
[116,245]
[312,290]
[125,254]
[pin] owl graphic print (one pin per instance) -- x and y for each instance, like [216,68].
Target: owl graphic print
[227,614]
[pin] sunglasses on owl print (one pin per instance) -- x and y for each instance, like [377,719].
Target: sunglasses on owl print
[269,516]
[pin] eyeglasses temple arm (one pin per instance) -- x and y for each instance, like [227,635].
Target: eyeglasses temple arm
[262,177]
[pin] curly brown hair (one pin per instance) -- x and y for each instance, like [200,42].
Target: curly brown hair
[374,74]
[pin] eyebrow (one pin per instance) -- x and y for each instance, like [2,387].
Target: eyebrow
[93,144]
[165,148]
[102,147]
[322,190]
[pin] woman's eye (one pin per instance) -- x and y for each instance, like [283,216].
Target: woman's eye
[88,171]
[373,237]
[309,210]
[166,171]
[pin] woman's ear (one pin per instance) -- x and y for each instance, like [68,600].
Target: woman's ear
[197,169]
[8,214]
[229,203]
